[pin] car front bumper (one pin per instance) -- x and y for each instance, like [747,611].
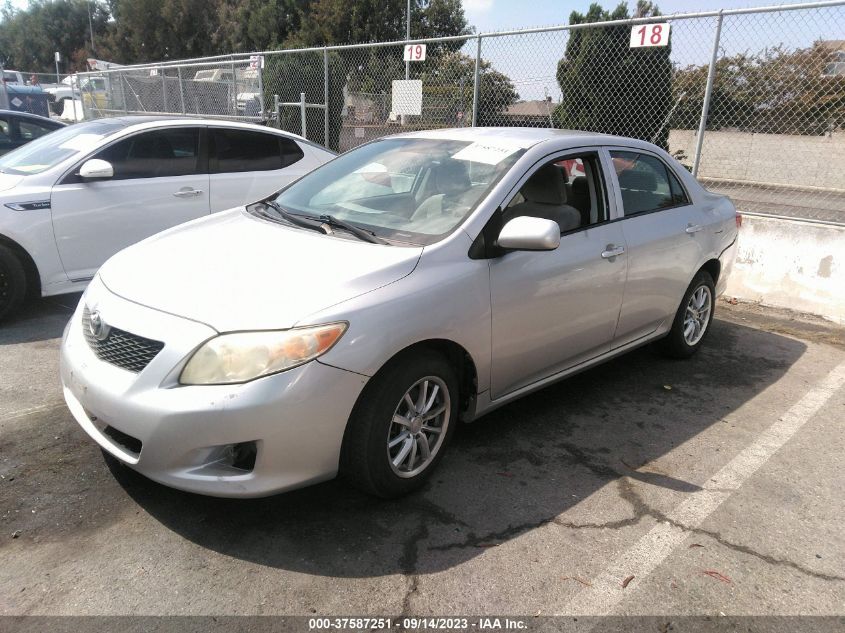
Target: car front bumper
[182,436]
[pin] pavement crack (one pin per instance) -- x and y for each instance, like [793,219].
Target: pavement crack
[767,558]
[408,563]
[642,509]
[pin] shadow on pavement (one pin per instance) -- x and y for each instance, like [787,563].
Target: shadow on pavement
[505,474]
[39,319]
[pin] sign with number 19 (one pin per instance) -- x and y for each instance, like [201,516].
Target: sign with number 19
[650,35]
[415,53]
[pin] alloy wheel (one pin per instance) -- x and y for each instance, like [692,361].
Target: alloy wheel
[697,315]
[418,426]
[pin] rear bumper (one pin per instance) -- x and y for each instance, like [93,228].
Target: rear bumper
[296,419]
[726,263]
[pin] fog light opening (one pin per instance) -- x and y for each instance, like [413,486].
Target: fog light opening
[242,456]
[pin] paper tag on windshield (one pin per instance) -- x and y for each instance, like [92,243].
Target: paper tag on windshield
[81,142]
[487,153]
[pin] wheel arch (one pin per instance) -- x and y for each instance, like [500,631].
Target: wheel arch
[33,277]
[458,357]
[713,267]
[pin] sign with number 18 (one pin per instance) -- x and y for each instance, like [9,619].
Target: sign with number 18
[415,53]
[650,35]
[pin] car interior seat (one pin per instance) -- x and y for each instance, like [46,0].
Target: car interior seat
[579,197]
[449,182]
[544,196]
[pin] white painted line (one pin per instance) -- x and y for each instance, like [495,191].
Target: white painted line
[652,549]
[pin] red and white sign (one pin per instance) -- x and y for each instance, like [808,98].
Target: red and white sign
[415,53]
[650,35]
[256,61]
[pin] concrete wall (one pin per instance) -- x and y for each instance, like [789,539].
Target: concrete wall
[791,264]
[809,161]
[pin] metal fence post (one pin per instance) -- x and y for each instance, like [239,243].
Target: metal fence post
[708,92]
[73,88]
[304,128]
[122,91]
[475,82]
[260,63]
[181,89]
[326,97]
[234,90]
[163,89]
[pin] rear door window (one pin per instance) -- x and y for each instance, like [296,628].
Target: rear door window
[646,183]
[29,130]
[235,151]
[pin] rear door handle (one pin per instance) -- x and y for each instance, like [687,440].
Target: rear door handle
[694,228]
[187,193]
[612,251]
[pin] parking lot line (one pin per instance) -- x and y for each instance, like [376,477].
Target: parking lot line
[653,548]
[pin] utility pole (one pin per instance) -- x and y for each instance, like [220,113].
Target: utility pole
[91,28]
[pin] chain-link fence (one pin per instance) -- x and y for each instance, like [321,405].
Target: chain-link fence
[751,100]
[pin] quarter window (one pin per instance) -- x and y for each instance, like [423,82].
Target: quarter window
[646,183]
[156,154]
[245,150]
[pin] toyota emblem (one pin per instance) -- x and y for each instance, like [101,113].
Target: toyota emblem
[98,327]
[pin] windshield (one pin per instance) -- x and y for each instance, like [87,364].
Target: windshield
[406,189]
[53,148]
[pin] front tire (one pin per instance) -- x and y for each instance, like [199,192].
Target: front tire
[400,427]
[693,318]
[12,282]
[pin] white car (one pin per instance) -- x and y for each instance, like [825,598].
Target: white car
[75,197]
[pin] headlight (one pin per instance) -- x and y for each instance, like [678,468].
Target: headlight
[243,356]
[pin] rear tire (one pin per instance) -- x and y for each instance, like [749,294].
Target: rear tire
[692,320]
[12,282]
[401,425]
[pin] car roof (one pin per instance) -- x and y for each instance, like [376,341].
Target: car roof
[141,122]
[30,115]
[524,136]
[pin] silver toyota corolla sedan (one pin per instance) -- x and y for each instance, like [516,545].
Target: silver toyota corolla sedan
[351,321]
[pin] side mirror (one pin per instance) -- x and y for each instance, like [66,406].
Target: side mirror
[96,168]
[525,233]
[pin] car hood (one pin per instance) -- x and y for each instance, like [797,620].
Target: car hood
[233,271]
[9,181]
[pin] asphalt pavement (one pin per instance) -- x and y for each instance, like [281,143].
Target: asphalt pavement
[645,486]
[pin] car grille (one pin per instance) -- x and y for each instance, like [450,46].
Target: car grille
[121,348]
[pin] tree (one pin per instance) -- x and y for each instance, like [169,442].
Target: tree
[29,39]
[776,91]
[344,22]
[154,30]
[251,25]
[448,89]
[608,86]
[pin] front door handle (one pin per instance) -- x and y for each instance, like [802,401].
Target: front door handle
[187,193]
[612,251]
[694,228]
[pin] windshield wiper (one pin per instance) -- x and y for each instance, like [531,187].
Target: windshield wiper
[357,231]
[291,218]
[322,223]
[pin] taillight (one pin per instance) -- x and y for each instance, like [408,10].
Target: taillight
[738,219]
